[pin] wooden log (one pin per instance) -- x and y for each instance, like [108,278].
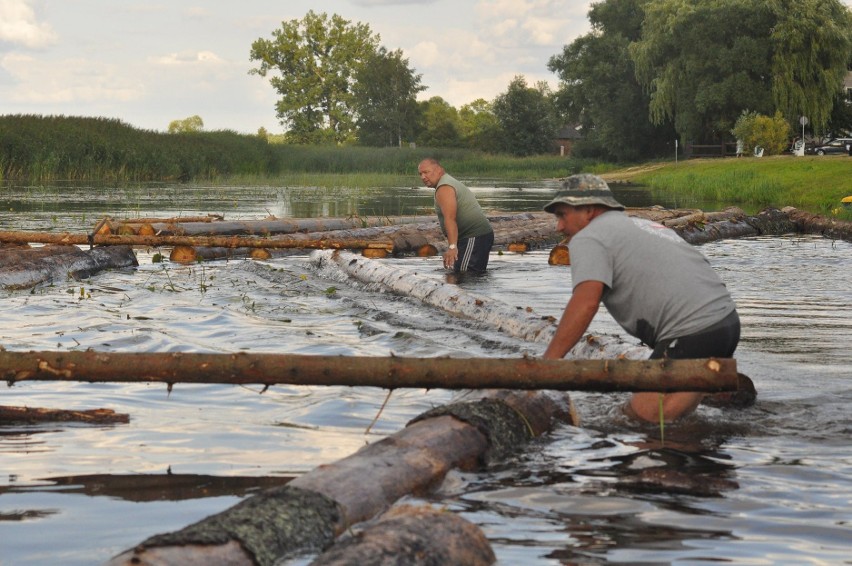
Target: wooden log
[391,372]
[21,254]
[52,263]
[10,414]
[291,241]
[808,223]
[266,227]
[415,536]
[311,510]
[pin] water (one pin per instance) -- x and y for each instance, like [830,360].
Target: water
[777,475]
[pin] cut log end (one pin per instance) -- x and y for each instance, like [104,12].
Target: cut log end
[517,247]
[146,230]
[427,250]
[374,252]
[559,255]
[260,253]
[183,254]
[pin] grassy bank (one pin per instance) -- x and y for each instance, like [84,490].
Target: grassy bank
[813,183]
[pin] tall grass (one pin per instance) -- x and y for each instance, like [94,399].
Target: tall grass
[50,148]
[815,183]
[57,147]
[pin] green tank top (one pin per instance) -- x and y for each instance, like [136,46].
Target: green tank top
[469,216]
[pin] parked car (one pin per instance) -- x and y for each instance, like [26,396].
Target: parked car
[836,146]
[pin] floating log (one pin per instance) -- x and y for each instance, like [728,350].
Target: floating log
[265,227]
[391,372]
[308,513]
[28,267]
[414,536]
[9,414]
[808,223]
[290,241]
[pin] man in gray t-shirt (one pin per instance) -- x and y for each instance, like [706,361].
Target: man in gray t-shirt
[658,287]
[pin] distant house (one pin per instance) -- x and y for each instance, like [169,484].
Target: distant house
[565,138]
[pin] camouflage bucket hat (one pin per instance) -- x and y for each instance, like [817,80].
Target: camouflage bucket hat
[578,190]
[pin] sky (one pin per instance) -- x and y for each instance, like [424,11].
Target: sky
[149,62]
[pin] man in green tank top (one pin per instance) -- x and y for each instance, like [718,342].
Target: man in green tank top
[469,234]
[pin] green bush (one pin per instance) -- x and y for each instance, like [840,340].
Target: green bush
[757,130]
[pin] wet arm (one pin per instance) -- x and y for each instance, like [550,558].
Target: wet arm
[579,311]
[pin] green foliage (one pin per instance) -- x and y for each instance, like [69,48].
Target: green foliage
[440,124]
[772,134]
[704,61]
[599,90]
[59,147]
[315,60]
[384,99]
[187,125]
[479,127]
[527,117]
[812,46]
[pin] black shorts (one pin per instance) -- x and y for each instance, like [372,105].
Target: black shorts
[718,341]
[473,253]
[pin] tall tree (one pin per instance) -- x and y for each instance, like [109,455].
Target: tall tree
[385,99]
[812,44]
[187,125]
[315,60]
[479,127]
[439,125]
[527,117]
[704,62]
[599,90]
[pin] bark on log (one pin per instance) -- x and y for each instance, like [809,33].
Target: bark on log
[9,414]
[816,224]
[290,241]
[33,266]
[311,510]
[415,536]
[268,227]
[391,372]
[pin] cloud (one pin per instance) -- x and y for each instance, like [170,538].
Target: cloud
[74,80]
[19,26]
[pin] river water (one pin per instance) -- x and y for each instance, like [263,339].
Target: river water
[771,483]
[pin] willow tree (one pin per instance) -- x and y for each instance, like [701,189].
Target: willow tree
[812,42]
[703,62]
[314,61]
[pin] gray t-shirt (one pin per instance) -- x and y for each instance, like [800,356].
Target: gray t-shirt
[470,218]
[658,286]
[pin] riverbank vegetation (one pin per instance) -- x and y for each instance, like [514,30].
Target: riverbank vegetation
[36,149]
[816,184]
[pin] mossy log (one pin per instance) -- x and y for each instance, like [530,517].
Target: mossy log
[391,372]
[27,267]
[313,509]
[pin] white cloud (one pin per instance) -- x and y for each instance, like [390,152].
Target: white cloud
[74,80]
[19,26]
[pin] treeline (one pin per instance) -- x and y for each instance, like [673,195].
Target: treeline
[650,72]
[45,148]
[60,147]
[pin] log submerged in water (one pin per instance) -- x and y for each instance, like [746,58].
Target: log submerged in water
[313,509]
[28,267]
[10,414]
